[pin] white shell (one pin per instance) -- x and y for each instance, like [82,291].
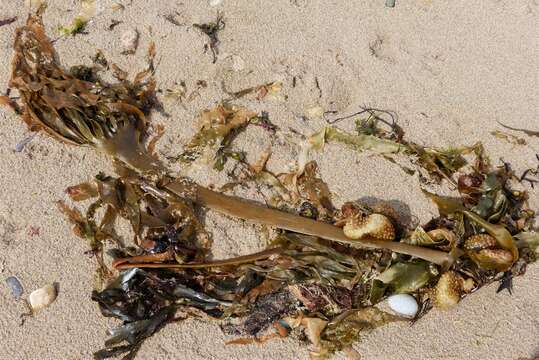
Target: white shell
[215,2]
[43,297]
[130,41]
[403,304]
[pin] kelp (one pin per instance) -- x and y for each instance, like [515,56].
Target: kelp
[73,110]
[407,277]
[310,278]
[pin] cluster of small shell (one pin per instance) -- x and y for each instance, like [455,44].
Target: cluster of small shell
[484,251]
[377,226]
[358,224]
[450,289]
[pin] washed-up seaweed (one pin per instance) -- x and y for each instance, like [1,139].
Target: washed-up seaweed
[371,135]
[327,272]
[330,287]
[211,30]
[78,109]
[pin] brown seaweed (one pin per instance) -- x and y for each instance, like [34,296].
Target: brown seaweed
[311,278]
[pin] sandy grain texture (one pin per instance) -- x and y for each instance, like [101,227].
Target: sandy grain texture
[450,69]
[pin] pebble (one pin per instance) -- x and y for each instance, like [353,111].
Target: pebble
[15,286]
[43,297]
[215,2]
[403,304]
[21,144]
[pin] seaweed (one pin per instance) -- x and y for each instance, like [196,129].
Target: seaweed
[211,30]
[217,127]
[525,131]
[76,27]
[438,162]
[311,278]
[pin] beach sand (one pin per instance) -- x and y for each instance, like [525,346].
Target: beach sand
[449,69]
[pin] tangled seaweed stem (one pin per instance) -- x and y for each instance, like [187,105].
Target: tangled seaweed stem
[137,261]
[249,211]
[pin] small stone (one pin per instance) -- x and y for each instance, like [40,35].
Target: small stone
[43,297]
[403,304]
[15,286]
[215,2]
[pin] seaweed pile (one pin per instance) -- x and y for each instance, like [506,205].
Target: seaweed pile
[325,273]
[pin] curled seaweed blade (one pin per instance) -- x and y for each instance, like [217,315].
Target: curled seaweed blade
[446,205]
[83,191]
[345,328]
[420,237]
[217,128]
[443,162]
[359,142]
[529,239]
[407,277]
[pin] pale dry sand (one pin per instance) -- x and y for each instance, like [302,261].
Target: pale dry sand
[450,69]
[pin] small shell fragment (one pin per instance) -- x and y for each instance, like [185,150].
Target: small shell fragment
[215,2]
[403,304]
[130,41]
[15,286]
[43,297]
[314,112]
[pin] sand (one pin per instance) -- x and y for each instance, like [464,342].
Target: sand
[450,69]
